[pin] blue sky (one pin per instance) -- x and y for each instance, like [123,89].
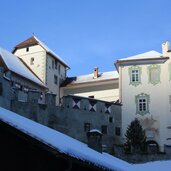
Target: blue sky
[88,33]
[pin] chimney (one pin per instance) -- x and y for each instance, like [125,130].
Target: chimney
[96,72]
[165,47]
[94,137]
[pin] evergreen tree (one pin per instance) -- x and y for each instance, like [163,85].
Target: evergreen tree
[135,135]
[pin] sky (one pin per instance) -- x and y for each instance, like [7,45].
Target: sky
[88,33]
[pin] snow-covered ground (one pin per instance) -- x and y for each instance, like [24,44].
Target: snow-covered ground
[74,148]
[153,166]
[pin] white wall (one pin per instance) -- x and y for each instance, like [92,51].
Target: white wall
[39,55]
[54,88]
[42,67]
[108,91]
[159,101]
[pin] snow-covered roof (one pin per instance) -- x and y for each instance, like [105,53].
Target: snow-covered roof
[33,41]
[62,143]
[15,65]
[50,51]
[147,55]
[90,78]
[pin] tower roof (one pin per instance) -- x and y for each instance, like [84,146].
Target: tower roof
[33,40]
[28,42]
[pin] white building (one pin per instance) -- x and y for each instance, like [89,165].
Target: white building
[48,66]
[102,86]
[145,93]
[143,85]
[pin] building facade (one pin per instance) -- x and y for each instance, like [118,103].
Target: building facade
[48,66]
[75,117]
[142,86]
[102,86]
[144,91]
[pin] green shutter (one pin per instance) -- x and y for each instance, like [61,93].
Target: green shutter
[154,72]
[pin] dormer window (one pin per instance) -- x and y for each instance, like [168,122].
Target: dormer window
[32,61]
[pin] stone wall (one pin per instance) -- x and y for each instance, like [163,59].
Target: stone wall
[75,117]
[69,120]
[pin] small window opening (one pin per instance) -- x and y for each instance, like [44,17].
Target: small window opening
[32,61]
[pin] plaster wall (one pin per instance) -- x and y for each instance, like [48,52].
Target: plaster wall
[159,110]
[107,92]
[39,63]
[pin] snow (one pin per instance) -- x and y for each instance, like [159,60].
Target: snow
[102,76]
[146,55]
[95,130]
[14,64]
[50,51]
[61,142]
[156,166]
[74,148]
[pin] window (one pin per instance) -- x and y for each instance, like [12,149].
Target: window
[56,64]
[55,79]
[104,129]
[53,63]
[117,131]
[154,74]
[27,49]
[86,127]
[61,81]
[142,104]
[32,61]
[22,96]
[59,69]
[111,119]
[135,75]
